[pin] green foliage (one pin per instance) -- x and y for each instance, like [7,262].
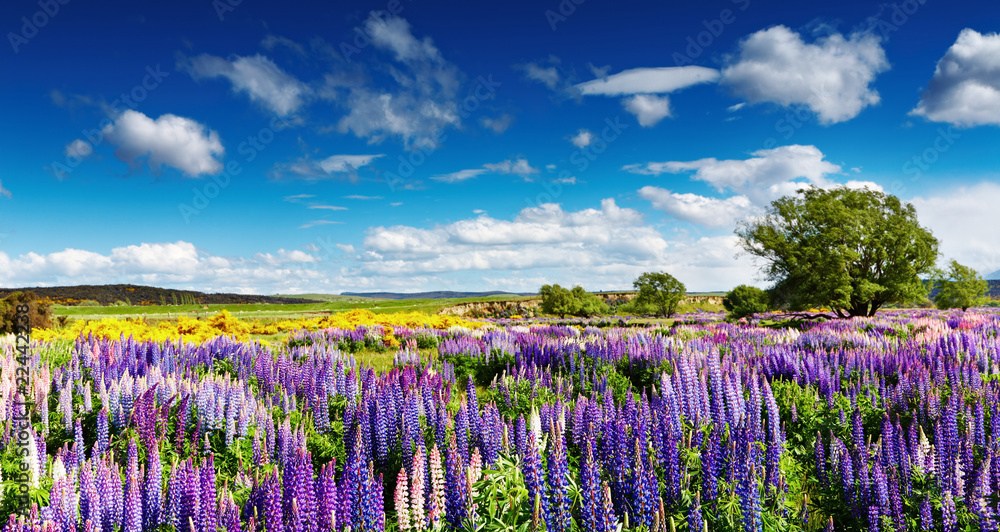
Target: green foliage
[659,290]
[850,250]
[501,498]
[576,302]
[39,312]
[959,287]
[744,301]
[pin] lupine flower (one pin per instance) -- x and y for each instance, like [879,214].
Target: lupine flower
[558,518]
[436,506]
[401,498]
[417,511]
[456,483]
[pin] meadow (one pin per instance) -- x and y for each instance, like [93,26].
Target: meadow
[365,421]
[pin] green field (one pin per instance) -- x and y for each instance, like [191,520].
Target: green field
[269,311]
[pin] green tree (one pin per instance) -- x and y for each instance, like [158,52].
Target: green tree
[575,302]
[959,287]
[745,300]
[39,312]
[659,290]
[851,250]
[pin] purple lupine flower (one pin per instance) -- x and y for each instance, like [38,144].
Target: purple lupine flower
[326,495]
[695,522]
[102,432]
[456,486]
[926,517]
[207,495]
[152,491]
[273,518]
[133,502]
[949,514]
[558,518]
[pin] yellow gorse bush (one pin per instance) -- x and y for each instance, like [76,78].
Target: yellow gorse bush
[225,324]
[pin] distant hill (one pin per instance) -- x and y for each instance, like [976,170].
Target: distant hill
[142,295]
[995,276]
[443,294]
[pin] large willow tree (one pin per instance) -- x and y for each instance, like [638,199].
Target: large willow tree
[850,250]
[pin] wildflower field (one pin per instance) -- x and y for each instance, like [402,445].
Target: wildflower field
[889,423]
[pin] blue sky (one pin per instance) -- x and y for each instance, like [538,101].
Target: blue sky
[411,145]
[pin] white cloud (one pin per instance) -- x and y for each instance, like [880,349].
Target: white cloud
[963,218]
[965,89]
[346,163]
[497,125]
[582,139]
[518,166]
[736,107]
[418,99]
[565,180]
[460,175]
[297,198]
[328,207]
[394,34]
[359,197]
[599,248]
[80,149]
[647,108]
[170,140]
[831,76]
[547,76]
[317,223]
[333,166]
[769,174]
[701,210]
[4,193]
[648,81]
[258,77]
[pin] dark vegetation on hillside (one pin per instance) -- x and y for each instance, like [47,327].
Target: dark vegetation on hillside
[142,295]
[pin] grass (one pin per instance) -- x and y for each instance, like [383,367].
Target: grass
[272,311]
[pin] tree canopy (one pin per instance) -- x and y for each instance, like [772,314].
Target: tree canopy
[575,302]
[851,250]
[959,287]
[39,311]
[745,300]
[660,291]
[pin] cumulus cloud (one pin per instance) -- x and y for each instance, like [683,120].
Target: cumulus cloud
[648,109]
[170,140]
[603,247]
[831,76]
[518,166]
[965,89]
[648,81]
[697,209]
[767,175]
[964,220]
[333,166]
[257,76]
[4,193]
[582,139]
